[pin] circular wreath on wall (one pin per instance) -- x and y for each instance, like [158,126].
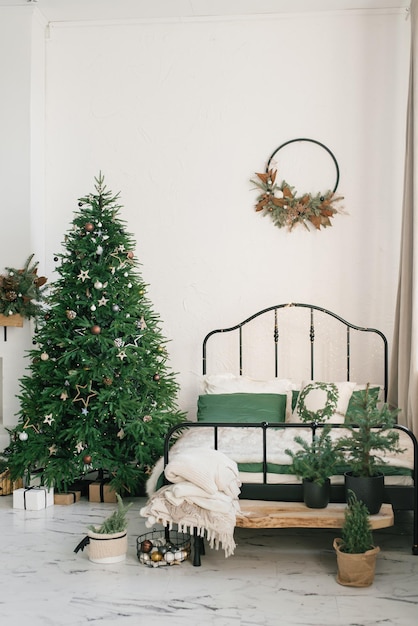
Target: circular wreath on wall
[286,206]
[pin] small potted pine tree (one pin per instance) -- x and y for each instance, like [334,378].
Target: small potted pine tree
[356,554]
[314,463]
[108,543]
[370,435]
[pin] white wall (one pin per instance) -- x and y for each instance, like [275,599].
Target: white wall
[179,114]
[22,177]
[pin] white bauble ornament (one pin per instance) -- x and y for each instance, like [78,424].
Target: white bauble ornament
[169,557]
[98,285]
[23,436]
[44,356]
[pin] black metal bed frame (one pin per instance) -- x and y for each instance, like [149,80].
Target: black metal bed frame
[276,336]
[400,497]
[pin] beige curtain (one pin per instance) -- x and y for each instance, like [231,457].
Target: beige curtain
[403,379]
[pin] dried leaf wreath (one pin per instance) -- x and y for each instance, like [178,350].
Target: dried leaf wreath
[287,209]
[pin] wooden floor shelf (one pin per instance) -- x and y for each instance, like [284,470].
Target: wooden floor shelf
[266,514]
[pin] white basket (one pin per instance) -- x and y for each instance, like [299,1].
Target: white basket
[107,548]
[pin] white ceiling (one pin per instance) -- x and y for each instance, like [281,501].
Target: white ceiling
[74,10]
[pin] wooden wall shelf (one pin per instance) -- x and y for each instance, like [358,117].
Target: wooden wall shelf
[6,321]
[15,320]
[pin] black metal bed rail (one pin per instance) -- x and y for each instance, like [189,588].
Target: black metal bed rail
[276,335]
[177,429]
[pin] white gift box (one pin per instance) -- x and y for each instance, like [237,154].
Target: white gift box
[33,498]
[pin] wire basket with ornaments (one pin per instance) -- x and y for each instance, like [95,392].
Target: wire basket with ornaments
[161,547]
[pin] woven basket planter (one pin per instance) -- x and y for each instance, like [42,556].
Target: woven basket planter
[107,548]
[355,570]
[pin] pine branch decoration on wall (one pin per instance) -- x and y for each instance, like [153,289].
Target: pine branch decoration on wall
[21,290]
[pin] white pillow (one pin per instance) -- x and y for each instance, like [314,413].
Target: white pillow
[229,383]
[316,399]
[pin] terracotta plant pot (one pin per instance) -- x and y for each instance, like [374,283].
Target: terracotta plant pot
[355,570]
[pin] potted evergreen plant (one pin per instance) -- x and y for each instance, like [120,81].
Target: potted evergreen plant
[356,554]
[370,434]
[108,543]
[315,463]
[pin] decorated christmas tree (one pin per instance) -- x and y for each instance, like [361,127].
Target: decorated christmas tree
[100,395]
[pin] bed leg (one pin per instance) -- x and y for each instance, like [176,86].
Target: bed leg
[167,534]
[202,546]
[415,550]
[198,548]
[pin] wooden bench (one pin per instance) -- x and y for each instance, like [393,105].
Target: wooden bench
[266,514]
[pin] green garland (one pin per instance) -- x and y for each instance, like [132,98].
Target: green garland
[321,415]
[287,209]
[21,291]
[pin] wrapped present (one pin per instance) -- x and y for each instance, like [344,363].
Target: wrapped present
[83,483]
[101,491]
[33,498]
[7,485]
[69,497]
[34,479]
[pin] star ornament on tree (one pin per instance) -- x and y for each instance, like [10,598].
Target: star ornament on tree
[48,419]
[80,398]
[121,262]
[27,425]
[83,275]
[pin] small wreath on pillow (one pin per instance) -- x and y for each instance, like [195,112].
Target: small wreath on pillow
[320,415]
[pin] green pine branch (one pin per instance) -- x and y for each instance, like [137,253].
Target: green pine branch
[371,434]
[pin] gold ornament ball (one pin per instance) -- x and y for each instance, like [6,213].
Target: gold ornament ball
[96,330]
[130,254]
[71,314]
[87,459]
[89,227]
[156,377]
[107,381]
[156,556]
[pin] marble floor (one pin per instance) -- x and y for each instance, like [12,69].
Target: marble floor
[278,577]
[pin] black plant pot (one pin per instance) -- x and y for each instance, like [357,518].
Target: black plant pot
[316,496]
[370,490]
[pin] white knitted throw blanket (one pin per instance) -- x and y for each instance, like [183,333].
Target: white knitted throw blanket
[203,496]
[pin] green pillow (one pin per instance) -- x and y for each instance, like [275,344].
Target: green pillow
[359,393]
[295,394]
[242,407]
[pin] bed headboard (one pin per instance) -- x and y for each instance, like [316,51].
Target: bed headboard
[282,334]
